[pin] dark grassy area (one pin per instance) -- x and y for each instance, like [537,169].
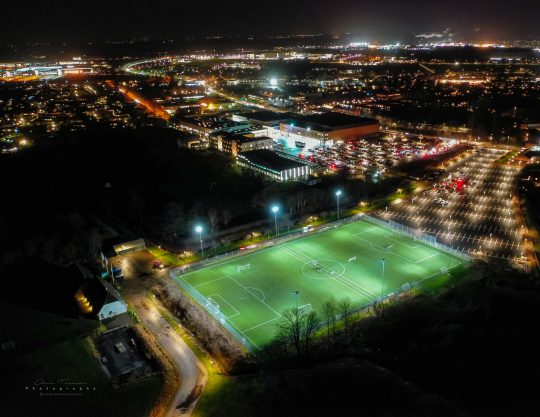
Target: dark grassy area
[31,329]
[475,345]
[53,349]
[69,365]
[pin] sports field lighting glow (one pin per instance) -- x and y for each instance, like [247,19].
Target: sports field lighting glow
[199,230]
[275,210]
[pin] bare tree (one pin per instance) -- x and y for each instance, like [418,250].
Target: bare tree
[289,329]
[345,310]
[213,217]
[330,311]
[227,217]
[296,329]
[310,324]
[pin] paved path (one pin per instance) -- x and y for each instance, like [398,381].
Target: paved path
[137,269]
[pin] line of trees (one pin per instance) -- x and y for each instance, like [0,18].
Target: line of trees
[296,331]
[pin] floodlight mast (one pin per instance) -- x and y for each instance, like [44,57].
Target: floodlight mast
[199,230]
[275,210]
[338,194]
[382,280]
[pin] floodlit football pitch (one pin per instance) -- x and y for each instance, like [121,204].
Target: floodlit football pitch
[250,292]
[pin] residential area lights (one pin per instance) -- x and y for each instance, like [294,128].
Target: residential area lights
[199,230]
[275,210]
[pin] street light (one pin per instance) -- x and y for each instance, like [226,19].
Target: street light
[338,193]
[199,230]
[275,210]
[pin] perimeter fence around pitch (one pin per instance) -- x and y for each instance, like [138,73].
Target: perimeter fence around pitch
[417,235]
[176,273]
[291,235]
[211,308]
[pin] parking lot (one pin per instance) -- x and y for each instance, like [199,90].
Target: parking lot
[477,218]
[372,157]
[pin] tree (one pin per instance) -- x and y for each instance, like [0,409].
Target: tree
[227,217]
[296,330]
[330,311]
[345,310]
[213,217]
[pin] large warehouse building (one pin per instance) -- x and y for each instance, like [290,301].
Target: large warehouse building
[327,128]
[273,165]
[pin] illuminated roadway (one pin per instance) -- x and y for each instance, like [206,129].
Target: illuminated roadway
[139,274]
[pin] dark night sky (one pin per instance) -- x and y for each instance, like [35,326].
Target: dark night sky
[386,20]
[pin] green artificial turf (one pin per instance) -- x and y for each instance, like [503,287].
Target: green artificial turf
[252,300]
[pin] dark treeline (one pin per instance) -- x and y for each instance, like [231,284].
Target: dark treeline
[469,351]
[62,191]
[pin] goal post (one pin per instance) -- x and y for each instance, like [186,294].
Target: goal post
[242,268]
[305,309]
[212,306]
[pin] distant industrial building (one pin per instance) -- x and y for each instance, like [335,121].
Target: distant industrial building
[268,120]
[273,165]
[262,117]
[234,142]
[237,143]
[206,125]
[326,128]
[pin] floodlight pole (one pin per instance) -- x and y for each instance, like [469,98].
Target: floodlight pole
[338,193]
[200,239]
[275,209]
[199,230]
[382,280]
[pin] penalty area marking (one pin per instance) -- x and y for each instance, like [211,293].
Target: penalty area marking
[213,297]
[261,324]
[209,282]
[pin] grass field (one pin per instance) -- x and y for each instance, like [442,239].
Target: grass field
[342,261]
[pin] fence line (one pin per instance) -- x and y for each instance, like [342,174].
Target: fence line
[214,312]
[416,234]
[391,225]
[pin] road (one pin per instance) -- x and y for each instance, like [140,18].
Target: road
[137,269]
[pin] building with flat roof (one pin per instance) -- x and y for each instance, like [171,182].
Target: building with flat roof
[237,143]
[326,128]
[263,117]
[273,165]
[206,125]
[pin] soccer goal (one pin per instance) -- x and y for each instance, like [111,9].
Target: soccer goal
[242,268]
[305,309]
[352,259]
[212,306]
[444,270]
[388,247]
